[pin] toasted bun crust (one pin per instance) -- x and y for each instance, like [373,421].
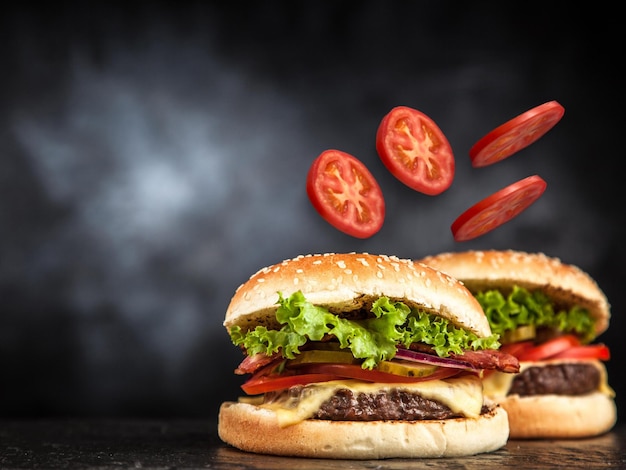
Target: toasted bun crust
[346,282]
[559,416]
[254,429]
[565,283]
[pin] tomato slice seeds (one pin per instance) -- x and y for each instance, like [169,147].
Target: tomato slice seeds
[345,194]
[415,150]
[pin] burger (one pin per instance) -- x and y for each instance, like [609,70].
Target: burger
[361,356]
[548,315]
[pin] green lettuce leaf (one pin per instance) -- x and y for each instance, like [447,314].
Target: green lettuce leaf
[373,339]
[522,307]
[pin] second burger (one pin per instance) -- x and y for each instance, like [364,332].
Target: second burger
[548,314]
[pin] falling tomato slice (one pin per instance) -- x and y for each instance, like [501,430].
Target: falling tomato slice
[415,150]
[345,194]
[498,208]
[516,134]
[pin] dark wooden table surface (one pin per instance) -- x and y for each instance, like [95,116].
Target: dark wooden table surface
[105,444]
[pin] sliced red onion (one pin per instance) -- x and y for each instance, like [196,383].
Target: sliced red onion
[416,356]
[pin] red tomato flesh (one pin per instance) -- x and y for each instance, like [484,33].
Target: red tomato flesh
[549,348]
[591,351]
[516,134]
[415,150]
[270,383]
[345,194]
[324,372]
[517,349]
[498,208]
[561,347]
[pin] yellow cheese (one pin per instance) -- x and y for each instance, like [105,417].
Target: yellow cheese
[497,384]
[462,395]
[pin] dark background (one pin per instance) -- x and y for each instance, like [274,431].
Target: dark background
[153,156]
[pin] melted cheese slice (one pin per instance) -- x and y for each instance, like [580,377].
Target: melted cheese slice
[462,395]
[498,384]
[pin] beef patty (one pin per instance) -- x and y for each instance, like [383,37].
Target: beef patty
[345,405]
[559,379]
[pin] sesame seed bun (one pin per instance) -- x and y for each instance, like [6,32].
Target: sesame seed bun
[559,416]
[254,429]
[346,282]
[566,284]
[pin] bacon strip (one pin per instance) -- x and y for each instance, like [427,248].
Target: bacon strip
[490,359]
[253,363]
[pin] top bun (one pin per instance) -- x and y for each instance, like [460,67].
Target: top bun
[347,282]
[566,284]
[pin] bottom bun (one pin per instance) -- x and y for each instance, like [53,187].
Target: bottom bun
[254,429]
[558,416]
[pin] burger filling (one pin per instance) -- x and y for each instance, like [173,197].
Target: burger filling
[551,342]
[556,377]
[353,400]
[372,334]
[384,360]
[559,379]
[508,314]
[346,405]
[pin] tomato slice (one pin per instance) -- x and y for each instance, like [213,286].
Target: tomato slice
[517,349]
[415,150]
[324,372]
[270,383]
[550,348]
[353,371]
[516,134]
[497,209]
[345,194]
[591,351]
[561,347]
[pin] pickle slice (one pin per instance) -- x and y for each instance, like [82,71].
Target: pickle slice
[521,333]
[407,369]
[321,356]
